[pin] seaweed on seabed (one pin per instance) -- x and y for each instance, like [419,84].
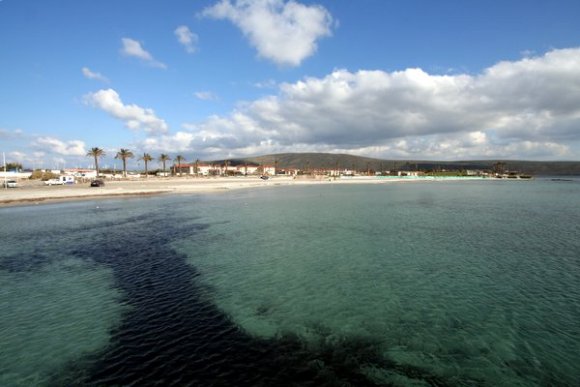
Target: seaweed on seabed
[343,361]
[20,263]
[328,360]
[320,364]
[196,343]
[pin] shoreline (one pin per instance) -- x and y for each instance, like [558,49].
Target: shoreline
[35,193]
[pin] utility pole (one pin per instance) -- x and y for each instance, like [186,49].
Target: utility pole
[4,160]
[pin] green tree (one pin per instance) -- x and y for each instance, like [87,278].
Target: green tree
[13,166]
[164,158]
[124,154]
[146,158]
[96,153]
[179,159]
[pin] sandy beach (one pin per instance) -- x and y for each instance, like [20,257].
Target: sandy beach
[36,192]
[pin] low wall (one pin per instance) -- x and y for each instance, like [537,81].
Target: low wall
[14,175]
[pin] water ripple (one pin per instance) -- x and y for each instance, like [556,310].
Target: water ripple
[406,291]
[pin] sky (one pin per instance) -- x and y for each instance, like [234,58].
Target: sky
[216,79]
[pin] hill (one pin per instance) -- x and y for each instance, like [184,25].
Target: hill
[306,161]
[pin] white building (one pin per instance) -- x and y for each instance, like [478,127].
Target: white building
[221,169]
[14,175]
[202,169]
[268,170]
[81,173]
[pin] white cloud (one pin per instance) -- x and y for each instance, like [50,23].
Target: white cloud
[205,95]
[187,38]
[92,75]
[285,32]
[523,109]
[16,155]
[28,160]
[133,48]
[178,142]
[134,116]
[65,148]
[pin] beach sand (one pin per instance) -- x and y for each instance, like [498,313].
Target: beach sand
[35,192]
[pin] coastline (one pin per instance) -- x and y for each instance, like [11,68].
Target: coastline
[34,193]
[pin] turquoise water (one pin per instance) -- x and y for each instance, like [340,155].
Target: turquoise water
[422,283]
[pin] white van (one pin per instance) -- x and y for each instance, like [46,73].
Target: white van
[61,180]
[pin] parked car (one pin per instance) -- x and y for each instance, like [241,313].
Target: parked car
[97,183]
[54,182]
[10,184]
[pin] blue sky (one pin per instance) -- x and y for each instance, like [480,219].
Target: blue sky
[446,80]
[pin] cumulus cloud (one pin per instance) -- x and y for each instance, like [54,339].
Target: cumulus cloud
[65,148]
[187,38]
[526,108]
[93,75]
[133,48]
[178,142]
[134,116]
[285,32]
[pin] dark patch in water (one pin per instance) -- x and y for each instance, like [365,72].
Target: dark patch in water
[18,263]
[173,336]
[263,310]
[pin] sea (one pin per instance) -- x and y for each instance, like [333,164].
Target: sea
[423,283]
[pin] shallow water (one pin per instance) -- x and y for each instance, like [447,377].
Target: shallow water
[424,283]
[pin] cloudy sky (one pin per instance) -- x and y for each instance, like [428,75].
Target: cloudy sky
[209,79]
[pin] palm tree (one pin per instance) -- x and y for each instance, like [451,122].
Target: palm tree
[179,159]
[226,163]
[146,158]
[96,153]
[164,158]
[196,167]
[124,154]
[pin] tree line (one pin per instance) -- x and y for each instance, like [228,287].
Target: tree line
[125,154]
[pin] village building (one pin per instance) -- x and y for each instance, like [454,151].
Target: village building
[204,169]
[287,171]
[269,170]
[85,173]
